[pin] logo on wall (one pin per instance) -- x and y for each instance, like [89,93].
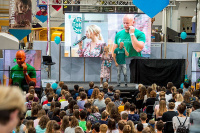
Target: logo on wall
[76,24]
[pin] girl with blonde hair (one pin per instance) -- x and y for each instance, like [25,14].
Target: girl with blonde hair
[49,127]
[100,102]
[179,100]
[186,98]
[95,93]
[95,47]
[162,109]
[154,86]
[131,124]
[41,127]
[105,65]
[29,124]
[142,92]
[62,98]
[105,87]
[73,122]
[127,129]
[39,115]
[65,123]
[152,126]
[109,107]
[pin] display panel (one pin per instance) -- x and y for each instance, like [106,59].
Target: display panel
[97,30]
[195,67]
[33,58]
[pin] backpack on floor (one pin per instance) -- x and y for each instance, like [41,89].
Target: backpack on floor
[182,128]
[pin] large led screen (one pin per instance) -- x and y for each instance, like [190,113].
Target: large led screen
[97,30]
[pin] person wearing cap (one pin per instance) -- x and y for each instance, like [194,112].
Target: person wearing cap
[11,106]
[22,73]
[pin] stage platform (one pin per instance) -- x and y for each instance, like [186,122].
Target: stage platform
[85,85]
[130,92]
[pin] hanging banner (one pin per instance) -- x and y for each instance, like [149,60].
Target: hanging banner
[20,18]
[56,7]
[151,7]
[42,13]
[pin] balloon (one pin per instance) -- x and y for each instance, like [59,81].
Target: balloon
[57,39]
[181,86]
[54,86]
[183,35]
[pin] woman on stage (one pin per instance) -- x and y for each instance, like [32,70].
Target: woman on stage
[105,65]
[94,48]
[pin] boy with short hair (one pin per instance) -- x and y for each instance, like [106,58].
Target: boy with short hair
[143,118]
[121,125]
[132,116]
[104,117]
[48,105]
[58,91]
[110,93]
[159,126]
[124,117]
[75,93]
[91,85]
[126,108]
[96,128]
[82,122]
[103,128]
[139,127]
[88,108]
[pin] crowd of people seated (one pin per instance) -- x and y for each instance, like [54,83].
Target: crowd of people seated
[88,110]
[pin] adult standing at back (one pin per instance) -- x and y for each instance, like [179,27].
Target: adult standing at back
[120,62]
[195,114]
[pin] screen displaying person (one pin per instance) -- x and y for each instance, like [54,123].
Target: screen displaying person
[22,73]
[95,47]
[105,65]
[120,62]
[134,39]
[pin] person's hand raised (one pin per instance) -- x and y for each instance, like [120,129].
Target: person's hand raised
[131,29]
[24,68]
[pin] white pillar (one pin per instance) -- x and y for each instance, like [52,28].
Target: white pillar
[164,30]
[198,24]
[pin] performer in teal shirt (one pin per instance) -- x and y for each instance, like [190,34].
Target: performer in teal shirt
[133,39]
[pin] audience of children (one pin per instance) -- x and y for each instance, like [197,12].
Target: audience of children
[96,111]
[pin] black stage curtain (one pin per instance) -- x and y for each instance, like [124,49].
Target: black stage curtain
[159,71]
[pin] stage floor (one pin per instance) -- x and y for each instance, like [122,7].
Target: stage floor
[85,85]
